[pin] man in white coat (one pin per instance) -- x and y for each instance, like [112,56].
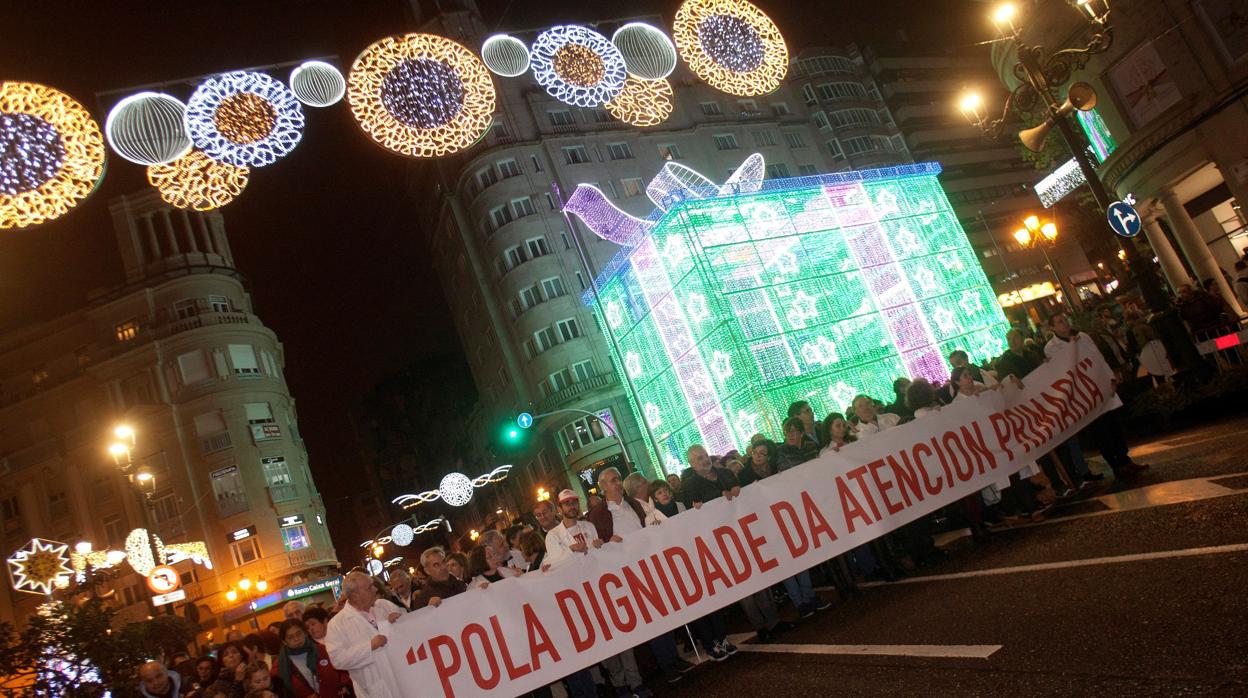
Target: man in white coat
[356,639]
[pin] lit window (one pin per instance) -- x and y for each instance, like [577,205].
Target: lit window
[295,537]
[632,187]
[38,374]
[245,551]
[126,331]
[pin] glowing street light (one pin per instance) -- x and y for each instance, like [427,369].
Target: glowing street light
[124,432]
[378,551]
[1003,18]
[82,547]
[231,596]
[244,584]
[972,107]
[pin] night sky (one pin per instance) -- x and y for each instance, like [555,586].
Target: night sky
[334,258]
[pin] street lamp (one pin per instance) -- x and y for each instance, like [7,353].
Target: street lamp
[1035,234]
[245,583]
[141,480]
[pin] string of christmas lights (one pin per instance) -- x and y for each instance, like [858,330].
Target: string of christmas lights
[578,66]
[732,45]
[505,55]
[642,103]
[51,154]
[244,118]
[148,128]
[317,84]
[197,182]
[454,489]
[647,51]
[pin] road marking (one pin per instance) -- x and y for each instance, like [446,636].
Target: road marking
[937,651]
[1088,562]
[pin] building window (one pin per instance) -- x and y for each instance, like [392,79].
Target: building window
[536,247]
[552,287]
[499,216]
[259,413]
[537,164]
[780,109]
[559,380]
[566,245]
[568,328]
[194,367]
[219,304]
[669,151]
[899,143]
[58,504]
[561,117]
[834,147]
[615,193]
[522,207]
[821,120]
[841,90]
[855,117]
[582,370]
[620,151]
[808,95]
[277,476]
[777,170]
[725,141]
[126,331]
[550,200]
[227,488]
[164,506]
[580,280]
[114,531]
[486,177]
[245,551]
[544,339]
[185,308]
[710,108]
[601,115]
[764,138]
[582,432]
[794,139]
[508,168]
[295,538]
[632,187]
[513,257]
[529,297]
[808,170]
[864,144]
[826,64]
[38,374]
[11,514]
[243,356]
[575,154]
[212,431]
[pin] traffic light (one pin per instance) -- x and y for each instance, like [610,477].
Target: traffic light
[511,436]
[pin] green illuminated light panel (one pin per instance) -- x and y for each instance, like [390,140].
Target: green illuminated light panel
[814,288]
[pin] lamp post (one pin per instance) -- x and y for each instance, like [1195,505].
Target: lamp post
[143,482]
[247,585]
[1042,236]
[1040,73]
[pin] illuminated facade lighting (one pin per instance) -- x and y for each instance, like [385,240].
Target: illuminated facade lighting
[243,118]
[421,95]
[505,55]
[1027,293]
[647,51]
[732,45]
[148,128]
[642,103]
[317,84]
[197,182]
[824,287]
[51,154]
[578,66]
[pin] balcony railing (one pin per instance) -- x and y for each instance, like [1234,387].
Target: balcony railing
[558,399]
[283,493]
[216,442]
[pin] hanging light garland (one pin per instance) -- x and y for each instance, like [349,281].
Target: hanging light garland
[317,84]
[148,128]
[51,154]
[578,66]
[732,45]
[197,182]
[505,55]
[421,95]
[244,118]
[646,50]
[642,103]
[454,489]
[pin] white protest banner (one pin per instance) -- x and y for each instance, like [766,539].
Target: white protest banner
[523,633]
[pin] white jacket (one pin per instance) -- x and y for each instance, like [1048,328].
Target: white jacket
[560,539]
[348,639]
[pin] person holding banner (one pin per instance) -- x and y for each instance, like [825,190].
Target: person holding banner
[572,536]
[356,636]
[867,417]
[700,483]
[441,585]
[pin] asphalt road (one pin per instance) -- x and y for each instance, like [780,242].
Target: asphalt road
[1171,619]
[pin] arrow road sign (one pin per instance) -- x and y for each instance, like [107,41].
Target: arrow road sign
[524,420]
[1123,219]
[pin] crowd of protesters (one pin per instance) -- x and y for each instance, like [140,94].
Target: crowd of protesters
[335,652]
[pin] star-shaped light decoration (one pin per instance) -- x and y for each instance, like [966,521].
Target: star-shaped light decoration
[632,364]
[37,567]
[926,279]
[908,242]
[842,395]
[676,251]
[747,424]
[653,418]
[615,316]
[822,351]
[802,309]
[944,319]
[927,212]
[696,308]
[951,261]
[721,365]
[990,349]
[971,303]
[886,202]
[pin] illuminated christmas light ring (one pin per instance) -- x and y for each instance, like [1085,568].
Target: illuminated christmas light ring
[642,103]
[51,154]
[732,45]
[243,118]
[578,66]
[421,95]
[454,487]
[197,182]
[505,55]
[40,566]
[402,534]
[647,51]
[148,128]
[317,84]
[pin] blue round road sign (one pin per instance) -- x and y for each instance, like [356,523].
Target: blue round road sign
[1124,219]
[525,420]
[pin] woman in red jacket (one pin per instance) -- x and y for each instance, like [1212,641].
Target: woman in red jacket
[303,664]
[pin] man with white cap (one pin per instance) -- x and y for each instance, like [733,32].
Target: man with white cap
[573,535]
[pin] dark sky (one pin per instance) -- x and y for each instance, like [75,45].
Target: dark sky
[335,261]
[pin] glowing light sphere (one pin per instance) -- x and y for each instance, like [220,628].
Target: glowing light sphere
[505,55]
[244,118]
[39,566]
[578,66]
[648,53]
[317,84]
[197,182]
[421,95]
[732,45]
[402,534]
[456,489]
[51,154]
[642,103]
[148,128]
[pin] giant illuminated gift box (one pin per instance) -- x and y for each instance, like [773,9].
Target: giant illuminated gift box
[736,301]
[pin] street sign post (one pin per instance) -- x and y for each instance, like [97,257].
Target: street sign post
[524,420]
[165,599]
[1123,219]
[163,579]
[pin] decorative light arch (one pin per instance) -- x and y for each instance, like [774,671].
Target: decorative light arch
[421,95]
[317,84]
[732,45]
[454,489]
[148,128]
[51,154]
[578,66]
[647,51]
[642,103]
[244,118]
[197,182]
[505,55]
